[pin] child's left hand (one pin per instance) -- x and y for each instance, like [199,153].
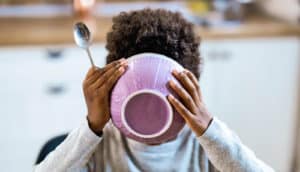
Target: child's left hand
[191,106]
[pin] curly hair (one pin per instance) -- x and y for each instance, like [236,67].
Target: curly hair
[158,31]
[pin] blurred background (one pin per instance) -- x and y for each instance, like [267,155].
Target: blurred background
[250,76]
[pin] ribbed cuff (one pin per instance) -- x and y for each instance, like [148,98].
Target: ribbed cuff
[89,136]
[216,131]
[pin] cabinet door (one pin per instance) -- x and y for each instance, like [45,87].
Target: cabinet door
[18,66]
[40,97]
[252,85]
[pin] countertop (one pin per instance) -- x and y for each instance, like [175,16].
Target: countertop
[37,31]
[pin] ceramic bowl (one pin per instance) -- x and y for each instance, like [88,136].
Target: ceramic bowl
[139,105]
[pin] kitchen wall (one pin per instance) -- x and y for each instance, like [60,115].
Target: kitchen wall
[288,10]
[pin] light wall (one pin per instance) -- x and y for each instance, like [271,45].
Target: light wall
[288,10]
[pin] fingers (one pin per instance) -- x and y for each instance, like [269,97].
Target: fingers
[184,95]
[112,80]
[180,108]
[194,80]
[113,70]
[187,84]
[93,77]
[114,64]
[95,73]
[91,71]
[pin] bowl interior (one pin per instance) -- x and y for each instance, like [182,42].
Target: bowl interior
[146,113]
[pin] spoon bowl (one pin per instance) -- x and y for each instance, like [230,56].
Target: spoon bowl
[82,35]
[83,39]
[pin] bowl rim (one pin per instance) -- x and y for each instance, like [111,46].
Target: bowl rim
[153,55]
[163,98]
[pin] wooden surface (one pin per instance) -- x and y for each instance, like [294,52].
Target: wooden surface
[37,31]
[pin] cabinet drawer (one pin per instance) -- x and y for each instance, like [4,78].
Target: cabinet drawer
[43,90]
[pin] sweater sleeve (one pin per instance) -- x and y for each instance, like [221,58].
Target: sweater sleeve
[73,153]
[227,153]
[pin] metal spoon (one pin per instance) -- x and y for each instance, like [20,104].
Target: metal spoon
[82,37]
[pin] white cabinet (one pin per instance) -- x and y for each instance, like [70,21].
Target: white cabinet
[253,86]
[250,84]
[40,97]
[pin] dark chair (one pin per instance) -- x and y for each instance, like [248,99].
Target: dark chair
[50,146]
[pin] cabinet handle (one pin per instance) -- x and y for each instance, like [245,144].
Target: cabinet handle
[213,55]
[56,89]
[225,55]
[219,55]
[54,53]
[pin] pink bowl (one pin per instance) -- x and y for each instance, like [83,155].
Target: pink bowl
[139,107]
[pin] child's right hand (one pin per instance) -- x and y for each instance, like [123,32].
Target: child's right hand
[97,87]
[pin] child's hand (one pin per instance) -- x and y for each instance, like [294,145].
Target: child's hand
[192,108]
[96,87]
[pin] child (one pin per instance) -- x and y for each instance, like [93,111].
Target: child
[205,145]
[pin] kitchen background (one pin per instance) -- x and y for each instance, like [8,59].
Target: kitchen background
[250,76]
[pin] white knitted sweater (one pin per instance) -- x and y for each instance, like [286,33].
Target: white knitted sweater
[218,149]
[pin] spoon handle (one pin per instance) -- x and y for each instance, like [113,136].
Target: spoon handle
[90,57]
